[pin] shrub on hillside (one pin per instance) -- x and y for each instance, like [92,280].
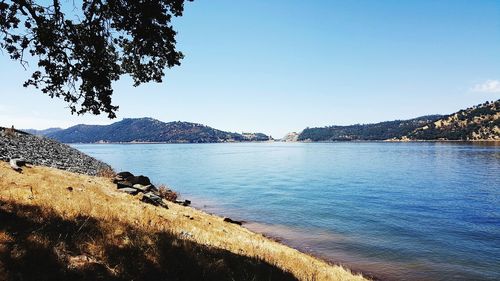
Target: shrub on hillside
[167,193]
[106,173]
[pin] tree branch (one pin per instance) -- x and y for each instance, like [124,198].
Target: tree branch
[29,6]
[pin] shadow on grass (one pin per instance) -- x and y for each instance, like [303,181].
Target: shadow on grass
[38,244]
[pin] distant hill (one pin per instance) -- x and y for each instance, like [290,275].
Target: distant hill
[148,130]
[42,132]
[480,122]
[290,137]
[376,131]
[256,137]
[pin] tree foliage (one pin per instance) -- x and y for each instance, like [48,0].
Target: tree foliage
[82,52]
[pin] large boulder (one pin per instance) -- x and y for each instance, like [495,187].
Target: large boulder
[130,178]
[122,176]
[142,180]
[17,163]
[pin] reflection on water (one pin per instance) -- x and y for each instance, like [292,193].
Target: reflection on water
[319,243]
[485,143]
[401,211]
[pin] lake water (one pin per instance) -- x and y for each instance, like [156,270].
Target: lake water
[399,211]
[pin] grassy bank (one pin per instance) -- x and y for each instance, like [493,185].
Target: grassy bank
[56,225]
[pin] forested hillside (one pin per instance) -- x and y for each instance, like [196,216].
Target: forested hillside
[480,122]
[377,131]
[149,130]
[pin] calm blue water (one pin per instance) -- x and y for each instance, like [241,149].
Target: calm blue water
[402,211]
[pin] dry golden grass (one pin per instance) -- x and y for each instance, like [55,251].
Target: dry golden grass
[92,222]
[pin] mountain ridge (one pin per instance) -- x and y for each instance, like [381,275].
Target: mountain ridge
[42,132]
[146,129]
[479,122]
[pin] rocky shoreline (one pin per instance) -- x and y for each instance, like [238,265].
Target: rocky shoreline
[19,147]
[38,150]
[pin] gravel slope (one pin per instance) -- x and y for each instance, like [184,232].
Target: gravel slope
[46,152]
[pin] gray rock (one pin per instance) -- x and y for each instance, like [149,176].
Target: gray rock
[20,162]
[152,196]
[14,165]
[129,190]
[144,188]
[124,184]
[183,203]
[233,221]
[153,199]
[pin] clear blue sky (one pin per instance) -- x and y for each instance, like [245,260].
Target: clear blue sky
[280,66]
